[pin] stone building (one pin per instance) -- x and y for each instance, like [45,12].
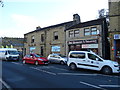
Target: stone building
[114,31]
[90,35]
[49,39]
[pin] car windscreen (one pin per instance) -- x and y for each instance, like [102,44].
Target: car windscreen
[12,52]
[61,55]
[37,56]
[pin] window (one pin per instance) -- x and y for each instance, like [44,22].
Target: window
[42,37]
[56,35]
[91,56]
[77,55]
[93,31]
[32,39]
[86,31]
[71,34]
[27,55]
[76,33]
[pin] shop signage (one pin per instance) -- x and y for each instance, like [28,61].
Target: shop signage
[117,36]
[83,41]
[89,45]
[55,49]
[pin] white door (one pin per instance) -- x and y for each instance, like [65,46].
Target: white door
[92,62]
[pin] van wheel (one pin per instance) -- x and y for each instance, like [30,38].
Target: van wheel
[73,66]
[61,62]
[107,70]
[36,62]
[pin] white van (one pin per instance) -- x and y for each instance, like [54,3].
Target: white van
[89,60]
[9,54]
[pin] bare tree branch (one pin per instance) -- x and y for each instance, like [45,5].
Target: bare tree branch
[1,3]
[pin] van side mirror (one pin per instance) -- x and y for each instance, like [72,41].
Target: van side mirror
[5,53]
[97,59]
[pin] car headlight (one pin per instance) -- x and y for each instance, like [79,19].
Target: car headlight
[115,64]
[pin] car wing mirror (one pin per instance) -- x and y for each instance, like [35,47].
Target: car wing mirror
[31,56]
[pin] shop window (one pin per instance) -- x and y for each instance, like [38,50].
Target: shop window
[32,39]
[42,37]
[72,48]
[86,31]
[55,35]
[93,31]
[71,34]
[78,47]
[76,33]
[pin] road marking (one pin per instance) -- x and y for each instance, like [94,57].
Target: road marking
[109,85]
[5,84]
[77,74]
[109,76]
[43,71]
[92,85]
[16,63]
[59,68]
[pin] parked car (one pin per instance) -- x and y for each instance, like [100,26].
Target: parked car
[89,60]
[57,58]
[34,59]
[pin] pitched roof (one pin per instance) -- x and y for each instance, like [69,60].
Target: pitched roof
[88,23]
[52,26]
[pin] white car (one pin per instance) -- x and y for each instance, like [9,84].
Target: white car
[57,58]
[89,60]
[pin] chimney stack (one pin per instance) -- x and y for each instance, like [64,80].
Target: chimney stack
[76,18]
[38,27]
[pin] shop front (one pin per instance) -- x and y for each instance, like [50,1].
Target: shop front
[117,47]
[78,45]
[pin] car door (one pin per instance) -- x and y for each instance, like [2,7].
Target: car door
[92,62]
[57,59]
[32,59]
[52,58]
[79,58]
[26,58]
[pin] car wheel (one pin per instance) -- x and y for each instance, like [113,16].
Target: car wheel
[107,70]
[36,62]
[23,61]
[61,62]
[72,66]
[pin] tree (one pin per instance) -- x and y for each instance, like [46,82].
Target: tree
[1,3]
[103,13]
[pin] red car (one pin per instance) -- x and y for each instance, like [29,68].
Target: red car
[34,59]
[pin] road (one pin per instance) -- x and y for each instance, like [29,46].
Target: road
[18,75]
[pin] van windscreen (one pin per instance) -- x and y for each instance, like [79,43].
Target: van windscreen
[12,52]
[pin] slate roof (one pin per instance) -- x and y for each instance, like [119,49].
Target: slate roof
[52,26]
[88,23]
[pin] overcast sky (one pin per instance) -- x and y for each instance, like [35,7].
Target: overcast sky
[18,17]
